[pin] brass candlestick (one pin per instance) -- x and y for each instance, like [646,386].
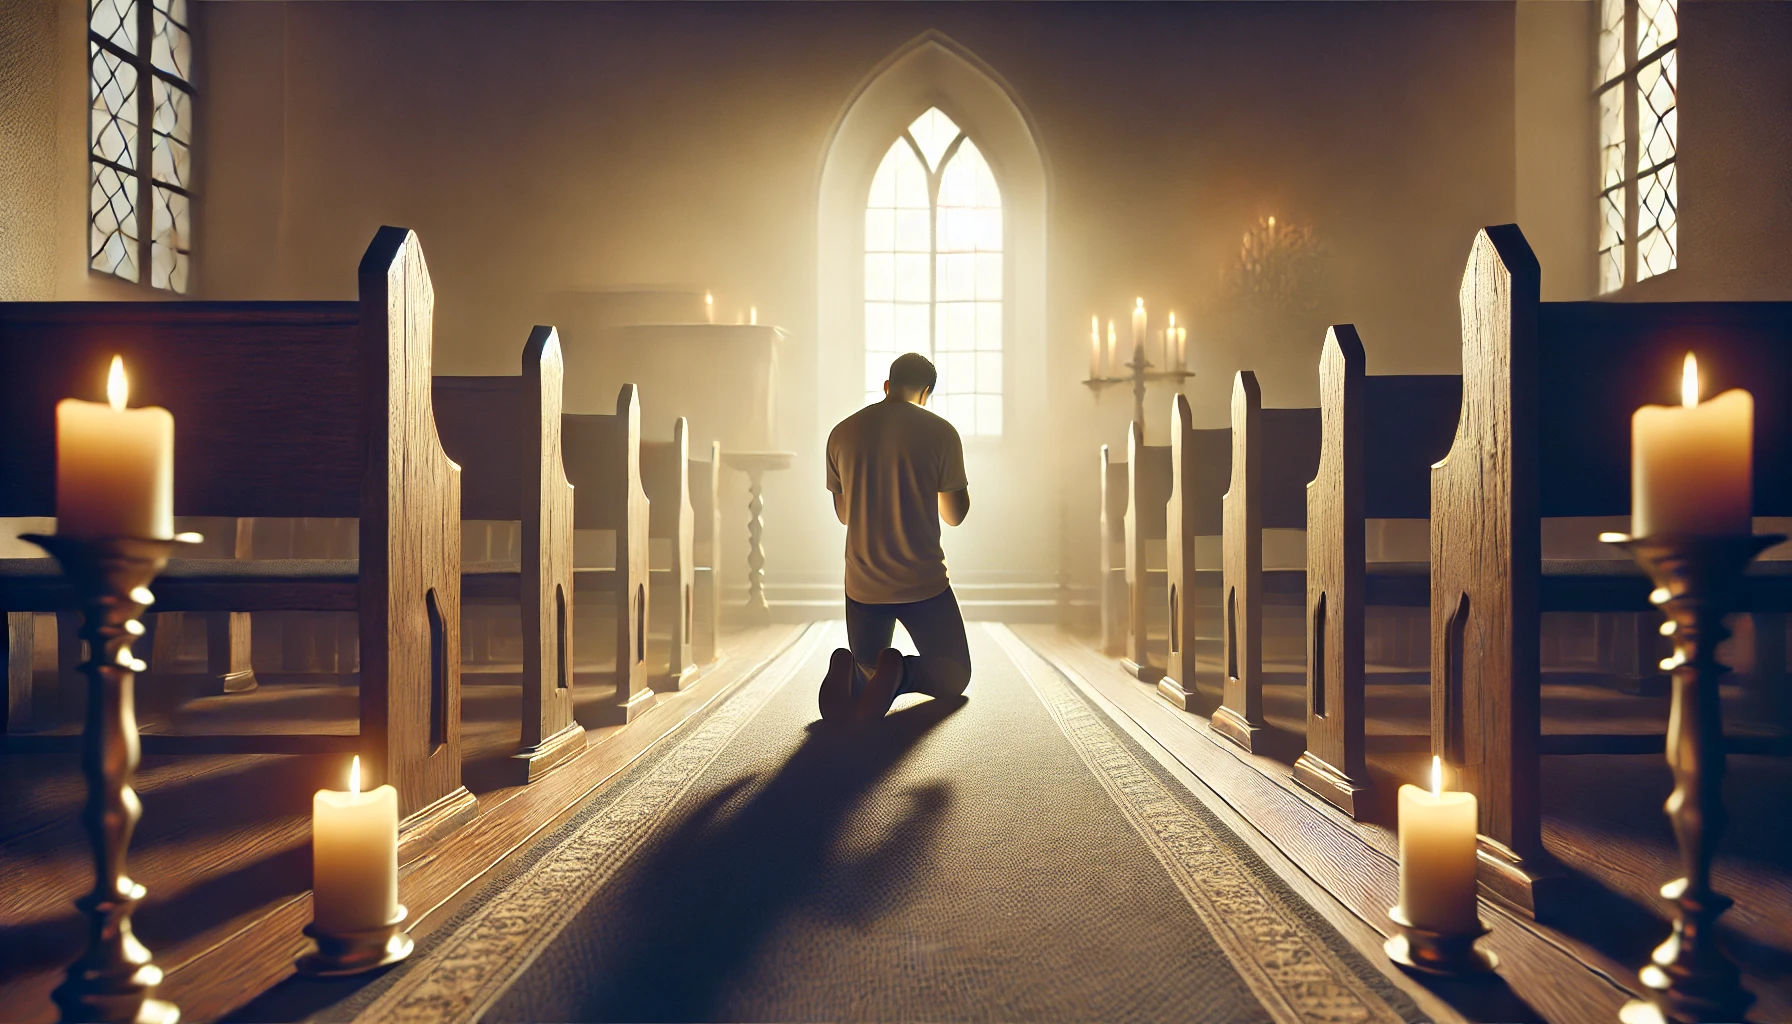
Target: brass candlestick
[114,979]
[356,952]
[1440,953]
[1696,582]
[1141,374]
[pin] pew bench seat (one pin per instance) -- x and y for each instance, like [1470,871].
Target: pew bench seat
[201,584]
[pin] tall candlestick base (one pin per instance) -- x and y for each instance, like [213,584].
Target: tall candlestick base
[115,978]
[341,954]
[1696,581]
[1438,953]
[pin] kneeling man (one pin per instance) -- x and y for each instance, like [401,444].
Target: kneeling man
[896,470]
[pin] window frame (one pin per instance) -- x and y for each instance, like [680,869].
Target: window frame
[143,146]
[935,176]
[1626,82]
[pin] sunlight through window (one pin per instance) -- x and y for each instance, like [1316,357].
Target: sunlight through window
[1636,88]
[933,270]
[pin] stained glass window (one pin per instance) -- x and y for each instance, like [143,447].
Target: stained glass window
[934,273]
[140,57]
[1637,82]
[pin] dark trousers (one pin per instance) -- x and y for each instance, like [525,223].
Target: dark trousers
[942,669]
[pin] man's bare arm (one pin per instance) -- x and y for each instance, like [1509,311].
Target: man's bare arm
[955,505]
[839,506]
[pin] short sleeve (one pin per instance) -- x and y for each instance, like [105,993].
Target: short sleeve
[952,462]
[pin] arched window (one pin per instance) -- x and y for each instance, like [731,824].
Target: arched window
[933,270]
[140,71]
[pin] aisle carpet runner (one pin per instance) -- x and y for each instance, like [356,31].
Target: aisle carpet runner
[1010,855]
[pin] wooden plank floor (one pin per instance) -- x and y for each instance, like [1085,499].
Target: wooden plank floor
[224,845]
[1603,819]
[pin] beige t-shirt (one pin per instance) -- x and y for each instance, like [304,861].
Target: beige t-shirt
[891,460]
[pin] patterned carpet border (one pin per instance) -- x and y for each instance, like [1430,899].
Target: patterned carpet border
[1296,964]
[466,963]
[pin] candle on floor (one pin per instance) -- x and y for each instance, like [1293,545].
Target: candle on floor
[1691,466]
[709,308]
[1437,857]
[1138,330]
[114,466]
[354,857]
[1094,347]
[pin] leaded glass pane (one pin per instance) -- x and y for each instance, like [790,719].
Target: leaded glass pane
[114,21]
[900,182]
[113,120]
[1657,116]
[172,48]
[1657,223]
[112,236]
[173,132]
[933,132]
[1611,137]
[1657,24]
[1611,40]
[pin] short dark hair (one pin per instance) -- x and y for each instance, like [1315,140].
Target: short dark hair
[913,370]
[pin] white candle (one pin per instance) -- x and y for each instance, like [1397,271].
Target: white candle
[1437,857]
[1113,350]
[114,466]
[1691,466]
[1138,330]
[753,314]
[354,857]
[1170,342]
[1094,347]
[1182,348]
[709,308]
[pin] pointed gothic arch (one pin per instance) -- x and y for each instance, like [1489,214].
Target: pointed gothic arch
[934,72]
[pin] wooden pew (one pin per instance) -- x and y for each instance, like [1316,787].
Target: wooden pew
[1379,436]
[282,409]
[706,489]
[1571,373]
[1147,495]
[1200,465]
[665,476]
[1274,455]
[504,433]
[1114,611]
[603,461]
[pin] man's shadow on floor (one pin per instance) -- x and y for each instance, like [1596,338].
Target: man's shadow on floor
[691,910]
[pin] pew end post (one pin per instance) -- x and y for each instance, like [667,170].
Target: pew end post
[1486,568]
[1239,717]
[665,476]
[1113,532]
[409,580]
[1334,765]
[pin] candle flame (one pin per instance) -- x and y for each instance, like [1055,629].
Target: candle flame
[1172,321]
[117,388]
[354,775]
[1272,220]
[1437,775]
[1138,303]
[709,299]
[1095,325]
[1689,382]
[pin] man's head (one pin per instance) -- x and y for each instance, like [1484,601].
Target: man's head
[912,378]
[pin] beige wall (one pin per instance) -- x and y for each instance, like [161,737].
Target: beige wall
[1556,142]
